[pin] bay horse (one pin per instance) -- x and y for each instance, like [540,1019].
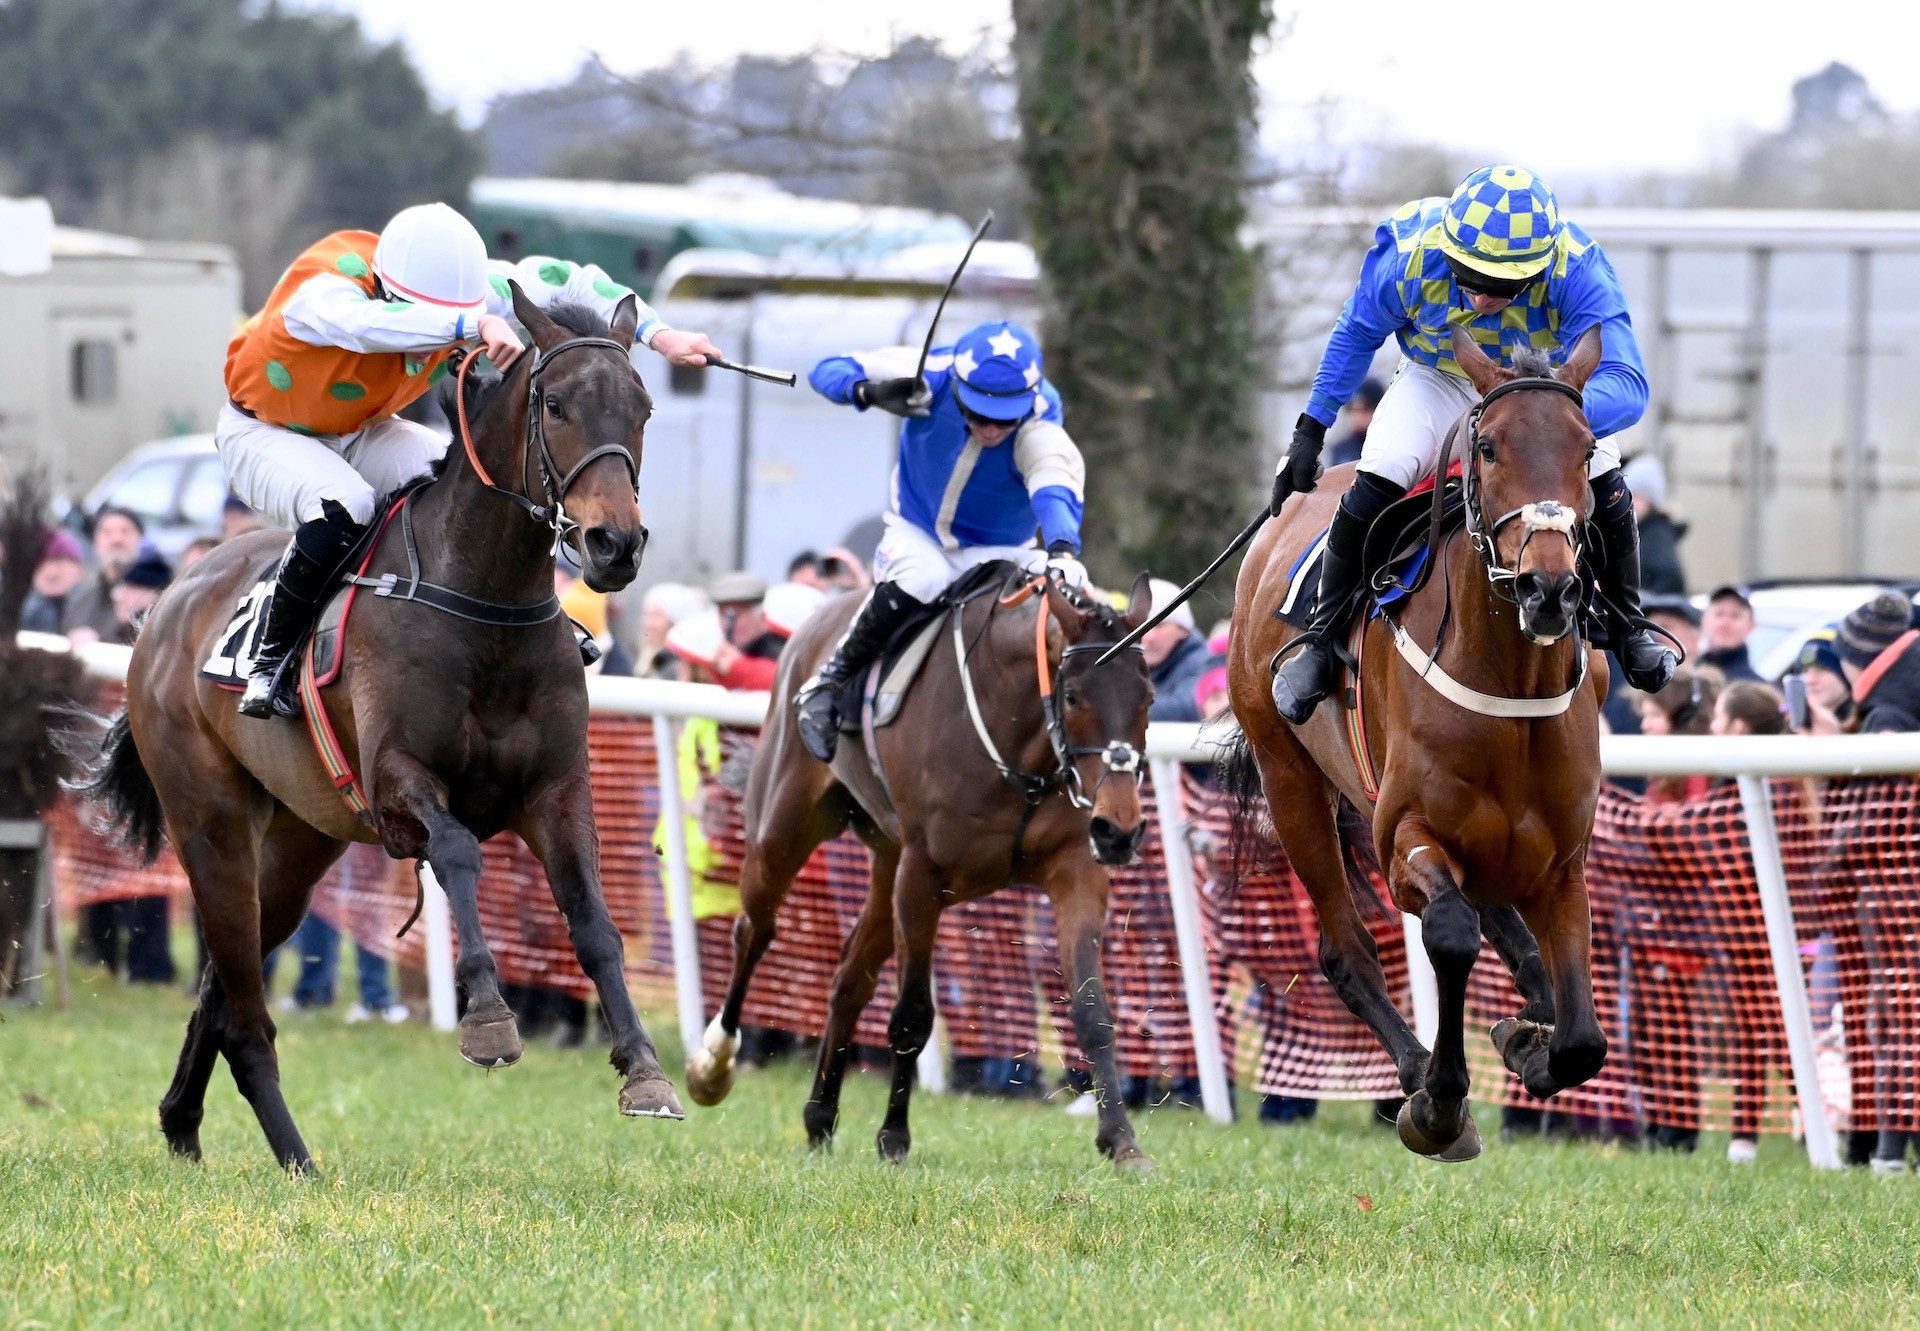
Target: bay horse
[1479,709]
[1014,759]
[459,724]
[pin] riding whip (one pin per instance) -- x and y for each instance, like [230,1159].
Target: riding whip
[952,282]
[1161,612]
[785,378]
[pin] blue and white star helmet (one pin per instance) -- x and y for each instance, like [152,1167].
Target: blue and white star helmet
[996,372]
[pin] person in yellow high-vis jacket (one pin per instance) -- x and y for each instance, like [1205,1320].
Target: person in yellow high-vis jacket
[699,765]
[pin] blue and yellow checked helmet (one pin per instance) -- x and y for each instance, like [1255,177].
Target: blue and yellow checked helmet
[1502,221]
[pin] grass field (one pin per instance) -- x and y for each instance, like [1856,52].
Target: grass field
[452,1197]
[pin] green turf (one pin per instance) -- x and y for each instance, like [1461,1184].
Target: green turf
[453,1197]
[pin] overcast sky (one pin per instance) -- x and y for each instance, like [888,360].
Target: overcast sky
[1578,90]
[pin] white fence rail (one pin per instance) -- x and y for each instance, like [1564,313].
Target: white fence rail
[1746,758]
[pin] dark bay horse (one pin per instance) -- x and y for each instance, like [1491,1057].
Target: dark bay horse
[1488,760]
[458,728]
[1014,759]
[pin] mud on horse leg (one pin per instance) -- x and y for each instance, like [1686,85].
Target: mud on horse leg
[414,823]
[1080,909]
[560,831]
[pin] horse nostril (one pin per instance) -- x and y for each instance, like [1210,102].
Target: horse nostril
[1570,593]
[1104,831]
[610,545]
[1529,587]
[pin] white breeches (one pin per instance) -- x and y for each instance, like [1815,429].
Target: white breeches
[285,477]
[1412,420]
[914,561]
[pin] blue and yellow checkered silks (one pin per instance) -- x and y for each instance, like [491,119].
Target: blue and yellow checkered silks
[1501,221]
[1426,290]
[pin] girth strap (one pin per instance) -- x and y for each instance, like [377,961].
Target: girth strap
[446,599]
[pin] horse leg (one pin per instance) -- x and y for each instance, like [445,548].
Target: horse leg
[413,820]
[805,808]
[1079,896]
[1301,806]
[1434,1121]
[853,984]
[1577,1047]
[560,831]
[184,1104]
[916,919]
[1516,1038]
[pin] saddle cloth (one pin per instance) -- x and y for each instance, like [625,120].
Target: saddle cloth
[1397,543]
[887,681]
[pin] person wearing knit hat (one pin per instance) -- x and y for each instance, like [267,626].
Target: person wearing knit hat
[62,566]
[136,591]
[1876,647]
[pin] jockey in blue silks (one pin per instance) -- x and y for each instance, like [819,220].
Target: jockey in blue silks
[984,464]
[1496,259]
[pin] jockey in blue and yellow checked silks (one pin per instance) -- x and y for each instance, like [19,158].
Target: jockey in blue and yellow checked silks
[984,464]
[1498,260]
[357,328]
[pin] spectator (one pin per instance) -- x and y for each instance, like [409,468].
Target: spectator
[1684,707]
[61,569]
[589,610]
[1360,409]
[196,550]
[841,570]
[1660,568]
[236,519]
[665,605]
[1876,649]
[748,656]
[117,536]
[1724,631]
[1176,657]
[134,594]
[1829,698]
[804,568]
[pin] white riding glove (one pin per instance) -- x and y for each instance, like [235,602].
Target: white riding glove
[1068,569]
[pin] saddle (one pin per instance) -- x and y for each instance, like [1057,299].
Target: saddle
[885,683]
[1395,554]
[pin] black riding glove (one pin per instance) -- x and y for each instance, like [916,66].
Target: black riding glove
[1301,470]
[901,397]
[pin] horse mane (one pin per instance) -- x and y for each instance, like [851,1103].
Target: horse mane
[1533,363]
[483,390]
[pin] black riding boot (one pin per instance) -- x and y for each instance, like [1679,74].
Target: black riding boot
[1647,661]
[313,557]
[1306,676]
[817,705]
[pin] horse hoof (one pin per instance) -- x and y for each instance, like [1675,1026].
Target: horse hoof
[893,1146]
[1520,1037]
[708,1079]
[492,1042]
[1465,1147]
[1132,1160]
[1416,1139]
[650,1097]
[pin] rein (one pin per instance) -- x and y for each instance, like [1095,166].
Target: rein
[1118,757]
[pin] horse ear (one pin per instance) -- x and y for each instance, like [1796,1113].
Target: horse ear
[626,318]
[1584,360]
[1481,370]
[1139,603]
[1073,620]
[544,331]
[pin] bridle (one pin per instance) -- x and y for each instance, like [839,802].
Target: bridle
[1542,515]
[1117,757]
[553,483]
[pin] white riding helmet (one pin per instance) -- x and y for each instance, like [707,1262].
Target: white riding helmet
[431,254]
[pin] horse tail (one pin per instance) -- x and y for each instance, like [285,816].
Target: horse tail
[118,780]
[1238,777]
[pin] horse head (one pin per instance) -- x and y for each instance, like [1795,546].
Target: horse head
[1526,479]
[586,422]
[1102,712]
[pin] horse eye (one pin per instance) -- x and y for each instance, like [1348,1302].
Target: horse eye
[1070,696]
[553,408]
[1486,448]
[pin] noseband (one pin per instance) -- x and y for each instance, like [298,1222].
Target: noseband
[555,485]
[1548,515]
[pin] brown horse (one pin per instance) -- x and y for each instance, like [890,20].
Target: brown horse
[1488,759]
[463,716]
[990,775]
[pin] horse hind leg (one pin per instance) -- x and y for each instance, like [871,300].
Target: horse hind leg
[866,951]
[1518,1039]
[805,809]
[184,1104]
[916,914]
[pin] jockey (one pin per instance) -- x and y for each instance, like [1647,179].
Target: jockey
[356,329]
[1495,258]
[983,462]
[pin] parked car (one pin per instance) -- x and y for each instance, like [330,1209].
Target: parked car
[175,485]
